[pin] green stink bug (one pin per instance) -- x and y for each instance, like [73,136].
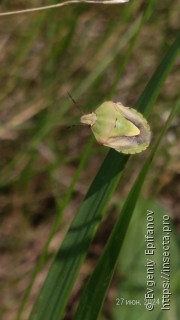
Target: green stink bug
[121,128]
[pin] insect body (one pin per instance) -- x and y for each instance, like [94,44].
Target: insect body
[118,127]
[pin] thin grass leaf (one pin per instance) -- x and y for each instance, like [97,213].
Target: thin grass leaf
[60,212]
[69,259]
[94,294]
[62,275]
[42,258]
[159,77]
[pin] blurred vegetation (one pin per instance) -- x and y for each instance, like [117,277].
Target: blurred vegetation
[95,52]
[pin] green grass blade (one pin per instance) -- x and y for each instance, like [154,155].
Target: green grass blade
[164,68]
[97,286]
[61,277]
[60,213]
[42,258]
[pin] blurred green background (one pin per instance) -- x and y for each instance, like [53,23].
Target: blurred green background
[95,52]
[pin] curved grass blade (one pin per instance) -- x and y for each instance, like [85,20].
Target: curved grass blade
[60,210]
[97,286]
[59,282]
[61,277]
[133,33]
[158,77]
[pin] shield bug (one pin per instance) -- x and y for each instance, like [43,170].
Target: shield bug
[121,128]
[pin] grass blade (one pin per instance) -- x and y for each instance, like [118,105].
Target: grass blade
[61,277]
[97,286]
[164,68]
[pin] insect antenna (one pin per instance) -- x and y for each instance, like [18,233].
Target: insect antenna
[75,103]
